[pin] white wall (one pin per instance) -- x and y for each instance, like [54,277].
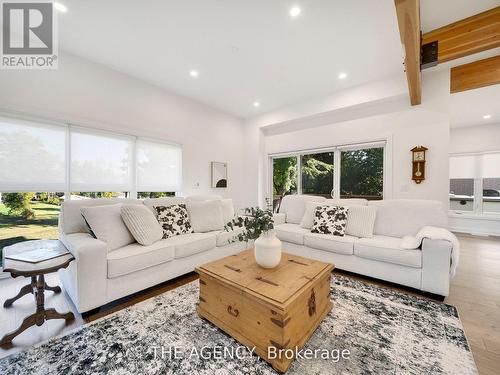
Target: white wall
[426,125]
[477,138]
[92,95]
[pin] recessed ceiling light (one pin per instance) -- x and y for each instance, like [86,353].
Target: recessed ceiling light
[486,117]
[256,104]
[342,75]
[60,7]
[194,73]
[295,11]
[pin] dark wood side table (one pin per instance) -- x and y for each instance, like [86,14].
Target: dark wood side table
[37,286]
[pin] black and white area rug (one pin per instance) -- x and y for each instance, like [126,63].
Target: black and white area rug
[385,332]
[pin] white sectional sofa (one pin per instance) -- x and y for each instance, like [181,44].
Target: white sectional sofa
[381,256]
[98,276]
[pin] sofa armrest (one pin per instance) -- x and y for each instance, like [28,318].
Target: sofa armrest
[85,279]
[436,264]
[279,218]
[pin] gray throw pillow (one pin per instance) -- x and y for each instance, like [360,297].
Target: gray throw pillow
[107,224]
[142,223]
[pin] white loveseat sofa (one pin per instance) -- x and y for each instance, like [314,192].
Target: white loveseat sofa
[426,268]
[98,276]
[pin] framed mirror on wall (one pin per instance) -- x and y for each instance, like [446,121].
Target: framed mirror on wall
[219,175]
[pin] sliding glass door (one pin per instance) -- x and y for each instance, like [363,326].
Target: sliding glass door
[349,171]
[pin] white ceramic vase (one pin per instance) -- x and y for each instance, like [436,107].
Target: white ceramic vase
[268,250]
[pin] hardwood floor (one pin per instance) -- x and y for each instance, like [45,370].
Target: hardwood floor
[475,291]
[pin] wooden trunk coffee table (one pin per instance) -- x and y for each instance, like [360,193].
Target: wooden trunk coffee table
[269,309]
[37,286]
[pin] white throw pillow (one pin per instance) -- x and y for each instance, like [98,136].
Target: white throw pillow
[330,220]
[205,216]
[361,220]
[142,223]
[107,224]
[227,210]
[308,218]
[163,201]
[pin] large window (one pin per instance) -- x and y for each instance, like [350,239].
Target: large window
[37,156]
[317,173]
[361,173]
[159,166]
[100,161]
[475,183]
[284,179]
[77,163]
[28,216]
[32,156]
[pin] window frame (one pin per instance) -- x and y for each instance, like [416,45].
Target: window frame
[385,143]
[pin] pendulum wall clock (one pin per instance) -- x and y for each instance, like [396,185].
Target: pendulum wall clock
[418,164]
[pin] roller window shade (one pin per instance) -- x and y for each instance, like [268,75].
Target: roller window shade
[490,165]
[159,166]
[475,166]
[101,161]
[32,156]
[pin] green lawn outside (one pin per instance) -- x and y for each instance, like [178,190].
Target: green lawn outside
[14,229]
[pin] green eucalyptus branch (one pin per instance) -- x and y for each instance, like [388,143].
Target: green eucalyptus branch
[254,222]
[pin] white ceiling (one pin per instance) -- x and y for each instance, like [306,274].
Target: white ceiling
[469,107]
[437,13]
[244,50]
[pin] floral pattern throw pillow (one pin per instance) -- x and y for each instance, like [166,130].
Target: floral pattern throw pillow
[330,220]
[174,220]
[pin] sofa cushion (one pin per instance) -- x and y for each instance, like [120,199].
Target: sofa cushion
[164,201]
[294,206]
[224,238]
[330,220]
[335,244]
[198,198]
[205,216]
[405,217]
[174,220]
[71,220]
[107,225]
[227,210]
[135,257]
[346,202]
[192,243]
[307,220]
[387,249]
[360,221]
[291,233]
[142,223]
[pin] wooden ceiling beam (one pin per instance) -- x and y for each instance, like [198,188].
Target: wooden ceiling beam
[477,74]
[466,37]
[408,12]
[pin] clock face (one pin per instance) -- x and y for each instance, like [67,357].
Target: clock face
[419,156]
